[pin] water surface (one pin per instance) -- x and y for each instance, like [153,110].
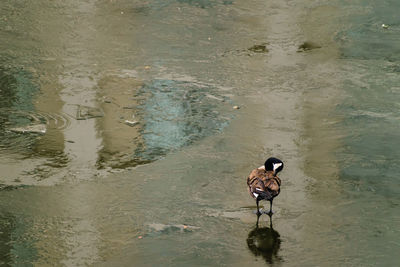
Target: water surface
[132,152]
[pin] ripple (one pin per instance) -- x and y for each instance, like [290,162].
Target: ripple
[17,118]
[20,129]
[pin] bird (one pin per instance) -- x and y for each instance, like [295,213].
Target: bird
[263,182]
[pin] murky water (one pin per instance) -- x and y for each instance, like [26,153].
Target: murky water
[120,146]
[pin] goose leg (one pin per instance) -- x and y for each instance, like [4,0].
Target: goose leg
[258,209]
[270,208]
[270,221]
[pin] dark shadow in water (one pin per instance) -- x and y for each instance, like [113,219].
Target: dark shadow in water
[16,248]
[206,3]
[7,226]
[265,242]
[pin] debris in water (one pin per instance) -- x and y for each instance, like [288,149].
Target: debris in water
[85,112]
[169,228]
[236,107]
[140,237]
[214,97]
[306,46]
[11,187]
[385,26]
[129,107]
[107,100]
[261,48]
[131,123]
[35,128]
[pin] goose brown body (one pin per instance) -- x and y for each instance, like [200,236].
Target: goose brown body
[263,185]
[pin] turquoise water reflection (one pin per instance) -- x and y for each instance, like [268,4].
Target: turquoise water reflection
[16,246]
[176,114]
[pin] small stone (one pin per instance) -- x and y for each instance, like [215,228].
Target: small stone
[131,123]
[86,112]
[260,48]
[147,67]
[129,107]
[306,46]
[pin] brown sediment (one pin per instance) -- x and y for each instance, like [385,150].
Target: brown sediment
[120,125]
[320,139]
[320,101]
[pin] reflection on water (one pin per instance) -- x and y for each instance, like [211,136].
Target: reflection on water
[176,114]
[16,89]
[265,242]
[81,60]
[119,127]
[26,133]
[145,120]
[138,122]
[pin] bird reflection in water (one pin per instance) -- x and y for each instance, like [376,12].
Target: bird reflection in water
[265,242]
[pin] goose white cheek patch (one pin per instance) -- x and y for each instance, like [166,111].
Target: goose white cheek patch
[277,165]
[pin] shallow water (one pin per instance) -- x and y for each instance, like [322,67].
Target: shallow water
[133,154]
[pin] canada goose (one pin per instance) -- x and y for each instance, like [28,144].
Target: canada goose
[264,184]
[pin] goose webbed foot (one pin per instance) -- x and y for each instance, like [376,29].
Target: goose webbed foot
[259,212]
[269,213]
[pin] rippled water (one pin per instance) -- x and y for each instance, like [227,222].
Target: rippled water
[120,146]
